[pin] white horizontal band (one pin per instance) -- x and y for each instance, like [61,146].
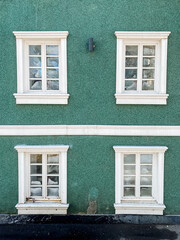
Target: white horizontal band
[85,130]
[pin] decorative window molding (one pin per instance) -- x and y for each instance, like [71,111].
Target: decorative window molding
[42,174]
[141,67]
[139,180]
[41,67]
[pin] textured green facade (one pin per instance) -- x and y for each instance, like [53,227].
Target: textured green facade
[91,85]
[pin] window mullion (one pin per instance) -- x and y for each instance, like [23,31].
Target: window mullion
[137,175]
[43,67]
[44,171]
[139,83]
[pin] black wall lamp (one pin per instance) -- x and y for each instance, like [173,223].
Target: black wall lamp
[91,45]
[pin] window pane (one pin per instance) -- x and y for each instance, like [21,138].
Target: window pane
[36,158]
[35,84]
[149,50]
[52,73]
[148,85]
[35,50]
[146,158]
[145,192]
[53,192]
[129,169]
[53,158]
[35,62]
[146,169]
[53,85]
[36,169]
[132,50]
[146,181]
[130,85]
[52,180]
[131,62]
[36,191]
[52,50]
[129,180]
[148,62]
[148,73]
[36,180]
[52,62]
[53,169]
[131,73]
[129,158]
[129,191]
[35,73]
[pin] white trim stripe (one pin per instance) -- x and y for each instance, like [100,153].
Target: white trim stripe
[88,130]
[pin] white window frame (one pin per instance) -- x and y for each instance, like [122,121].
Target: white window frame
[26,96]
[158,96]
[46,206]
[131,205]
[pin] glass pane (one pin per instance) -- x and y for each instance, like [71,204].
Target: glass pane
[146,158]
[35,62]
[36,158]
[53,158]
[148,62]
[132,50]
[53,192]
[131,62]
[131,73]
[35,50]
[129,191]
[129,169]
[53,169]
[146,180]
[149,50]
[148,73]
[36,191]
[129,180]
[35,84]
[129,158]
[36,180]
[52,62]
[145,192]
[52,180]
[35,73]
[52,73]
[130,85]
[53,85]
[52,50]
[36,169]
[148,85]
[146,169]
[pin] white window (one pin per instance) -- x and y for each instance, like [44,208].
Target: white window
[141,67]
[41,68]
[139,180]
[42,179]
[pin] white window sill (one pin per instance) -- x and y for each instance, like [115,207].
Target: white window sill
[42,208]
[30,98]
[136,208]
[159,99]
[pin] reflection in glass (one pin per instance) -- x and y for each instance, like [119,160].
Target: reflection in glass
[35,84]
[36,158]
[53,191]
[146,158]
[129,191]
[34,49]
[132,50]
[36,180]
[145,191]
[148,73]
[52,73]
[36,169]
[36,191]
[148,62]
[129,169]
[52,62]
[53,85]
[129,158]
[53,158]
[131,62]
[146,169]
[146,181]
[129,180]
[52,50]
[52,180]
[130,85]
[35,73]
[130,73]
[53,169]
[35,62]
[148,85]
[149,50]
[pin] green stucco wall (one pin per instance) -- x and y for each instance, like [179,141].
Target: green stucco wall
[91,76]
[91,167]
